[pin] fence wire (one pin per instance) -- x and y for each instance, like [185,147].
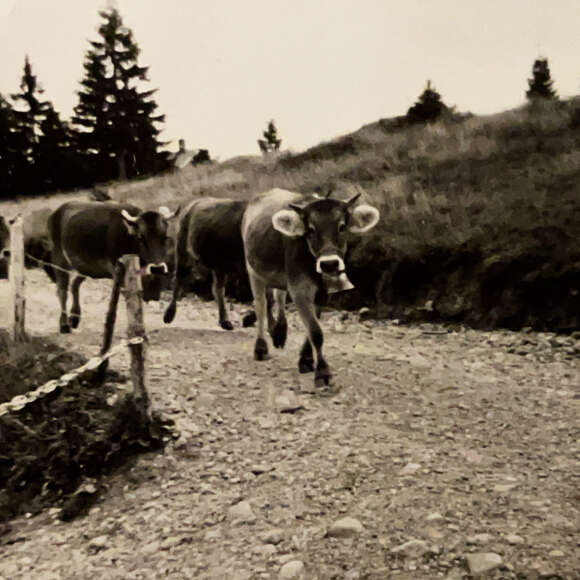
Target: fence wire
[18,402]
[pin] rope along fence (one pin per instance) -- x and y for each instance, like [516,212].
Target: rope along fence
[127,274]
[18,402]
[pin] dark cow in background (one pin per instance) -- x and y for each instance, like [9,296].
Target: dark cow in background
[37,245]
[209,236]
[89,238]
[4,248]
[297,243]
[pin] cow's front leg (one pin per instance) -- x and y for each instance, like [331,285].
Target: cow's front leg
[277,324]
[260,306]
[75,311]
[304,299]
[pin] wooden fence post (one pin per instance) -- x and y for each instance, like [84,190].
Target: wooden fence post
[16,275]
[136,329]
[111,317]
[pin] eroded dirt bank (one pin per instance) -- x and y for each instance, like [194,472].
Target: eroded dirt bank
[460,442]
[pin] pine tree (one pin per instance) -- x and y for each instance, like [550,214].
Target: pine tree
[428,108]
[30,111]
[11,147]
[56,161]
[540,86]
[270,142]
[118,126]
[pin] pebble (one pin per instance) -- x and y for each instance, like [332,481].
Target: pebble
[345,528]
[273,536]
[479,539]
[292,569]
[409,469]
[504,487]
[481,562]
[514,539]
[266,550]
[242,512]
[99,542]
[414,548]
[556,554]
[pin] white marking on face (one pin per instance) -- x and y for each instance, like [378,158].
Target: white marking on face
[330,258]
[150,267]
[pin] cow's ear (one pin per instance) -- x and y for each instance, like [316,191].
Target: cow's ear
[289,223]
[363,218]
[130,221]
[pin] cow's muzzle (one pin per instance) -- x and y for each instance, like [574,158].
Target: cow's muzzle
[331,265]
[156,269]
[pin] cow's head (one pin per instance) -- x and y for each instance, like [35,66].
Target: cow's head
[324,224]
[150,232]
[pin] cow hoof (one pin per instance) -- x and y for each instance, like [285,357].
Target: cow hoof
[65,329]
[323,379]
[249,319]
[279,334]
[261,349]
[74,320]
[306,365]
[169,314]
[227,325]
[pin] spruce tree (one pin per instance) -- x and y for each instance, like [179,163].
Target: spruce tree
[56,163]
[118,125]
[30,111]
[540,86]
[270,142]
[11,147]
[428,107]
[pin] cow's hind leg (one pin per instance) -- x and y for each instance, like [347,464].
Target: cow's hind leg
[75,311]
[278,326]
[62,281]
[260,306]
[218,289]
[309,315]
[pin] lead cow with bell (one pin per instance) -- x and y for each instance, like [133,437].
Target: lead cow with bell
[296,243]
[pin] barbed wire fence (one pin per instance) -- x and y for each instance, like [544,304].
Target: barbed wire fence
[127,275]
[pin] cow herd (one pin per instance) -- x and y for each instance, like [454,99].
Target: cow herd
[288,243]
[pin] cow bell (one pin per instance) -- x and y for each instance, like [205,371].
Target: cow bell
[338,283]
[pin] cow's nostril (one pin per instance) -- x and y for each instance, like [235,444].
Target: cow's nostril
[5,254]
[330,266]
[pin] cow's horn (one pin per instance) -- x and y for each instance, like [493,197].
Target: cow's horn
[328,194]
[128,217]
[351,200]
[164,211]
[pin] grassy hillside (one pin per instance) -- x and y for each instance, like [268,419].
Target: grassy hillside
[481,217]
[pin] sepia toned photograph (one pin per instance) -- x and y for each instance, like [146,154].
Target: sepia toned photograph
[289,290]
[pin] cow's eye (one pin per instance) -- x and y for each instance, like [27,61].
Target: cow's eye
[311,231]
[342,228]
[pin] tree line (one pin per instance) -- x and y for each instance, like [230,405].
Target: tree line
[114,131]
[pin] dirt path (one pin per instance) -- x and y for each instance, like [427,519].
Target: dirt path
[439,444]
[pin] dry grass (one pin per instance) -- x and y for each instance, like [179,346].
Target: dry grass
[488,183]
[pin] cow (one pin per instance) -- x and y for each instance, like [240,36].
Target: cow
[36,242]
[4,247]
[89,238]
[296,243]
[209,235]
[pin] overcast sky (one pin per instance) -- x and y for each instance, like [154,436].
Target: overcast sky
[320,68]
